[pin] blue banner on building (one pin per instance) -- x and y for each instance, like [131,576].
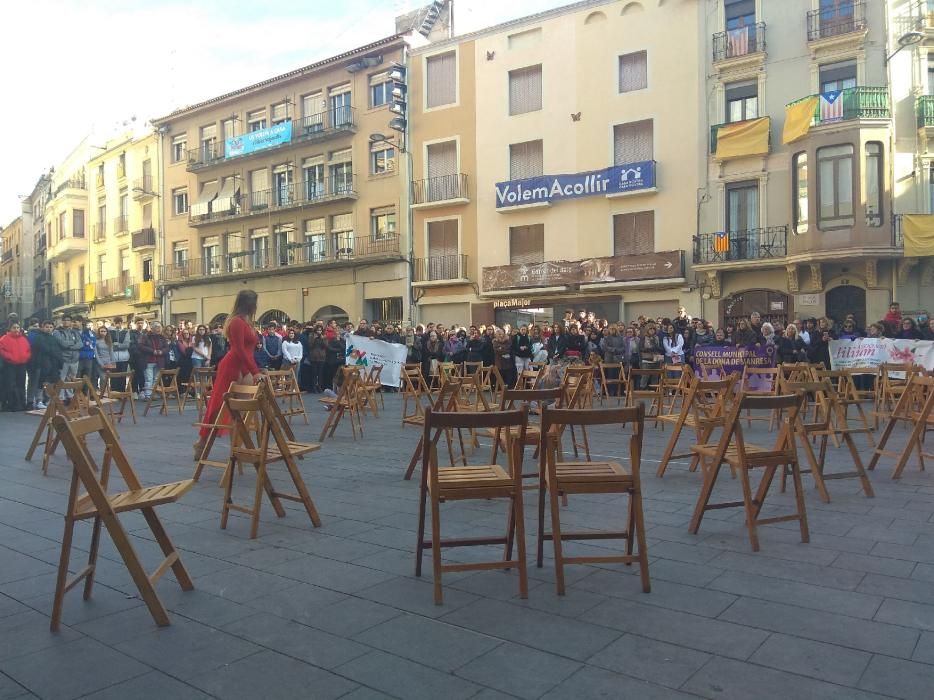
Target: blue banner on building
[258,140]
[617,179]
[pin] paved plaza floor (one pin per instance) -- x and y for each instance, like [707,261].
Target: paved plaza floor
[336,612]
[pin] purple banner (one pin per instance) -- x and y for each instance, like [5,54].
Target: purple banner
[733,359]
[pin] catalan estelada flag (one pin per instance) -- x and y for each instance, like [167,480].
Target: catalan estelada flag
[831,105]
[721,242]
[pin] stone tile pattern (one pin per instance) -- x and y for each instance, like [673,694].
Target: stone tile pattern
[337,612]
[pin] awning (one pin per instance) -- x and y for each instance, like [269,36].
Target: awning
[919,234]
[748,138]
[798,118]
[227,198]
[202,205]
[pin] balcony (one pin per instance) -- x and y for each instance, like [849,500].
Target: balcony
[67,247]
[74,183]
[732,246]
[742,41]
[296,194]
[144,238]
[142,188]
[924,109]
[898,233]
[314,127]
[751,146]
[856,103]
[41,244]
[116,287]
[99,232]
[441,269]
[120,225]
[339,250]
[66,299]
[831,22]
[7,256]
[440,191]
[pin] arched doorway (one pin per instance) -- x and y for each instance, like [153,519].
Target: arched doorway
[276,315]
[219,318]
[328,313]
[773,306]
[846,299]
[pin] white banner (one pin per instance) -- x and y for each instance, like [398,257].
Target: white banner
[365,352]
[872,352]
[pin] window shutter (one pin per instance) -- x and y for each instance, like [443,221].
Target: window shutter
[525,90]
[280,112]
[633,72]
[527,244]
[342,222]
[632,142]
[525,160]
[209,132]
[442,238]
[442,80]
[634,234]
[442,159]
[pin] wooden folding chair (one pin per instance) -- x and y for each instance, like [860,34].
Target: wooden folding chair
[829,422]
[529,378]
[847,395]
[165,385]
[415,393]
[531,400]
[676,379]
[559,478]
[578,394]
[446,400]
[447,371]
[711,372]
[645,385]
[733,450]
[104,508]
[347,401]
[760,381]
[470,368]
[916,407]
[481,482]
[202,381]
[123,396]
[704,409]
[607,380]
[891,388]
[497,385]
[220,425]
[275,443]
[284,384]
[372,390]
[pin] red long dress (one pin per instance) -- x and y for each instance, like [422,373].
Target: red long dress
[236,363]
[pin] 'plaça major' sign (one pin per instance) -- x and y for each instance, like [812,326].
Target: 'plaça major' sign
[617,179]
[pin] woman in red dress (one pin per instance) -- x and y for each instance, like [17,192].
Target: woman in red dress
[238,365]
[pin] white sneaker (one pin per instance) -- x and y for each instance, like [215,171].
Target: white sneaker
[135,396]
[330,394]
[40,406]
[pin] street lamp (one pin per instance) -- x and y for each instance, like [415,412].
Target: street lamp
[907,39]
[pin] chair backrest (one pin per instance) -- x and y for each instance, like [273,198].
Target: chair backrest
[127,378]
[760,380]
[710,371]
[529,378]
[94,477]
[784,446]
[825,397]
[513,397]
[448,395]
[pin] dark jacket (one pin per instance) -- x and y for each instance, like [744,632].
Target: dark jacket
[219,348]
[522,345]
[614,348]
[335,352]
[317,348]
[475,349]
[46,354]
[502,351]
[745,337]
[791,349]
[572,343]
[153,348]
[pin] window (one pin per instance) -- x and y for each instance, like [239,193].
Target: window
[633,71]
[256,120]
[930,83]
[121,166]
[525,90]
[124,209]
[386,310]
[180,201]
[61,226]
[102,267]
[313,173]
[211,254]
[283,249]
[383,223]
[124,267]
[441,83]
[527,244]
[312,113]
[931,188]
[873,183]
[382,159]
[315,240]
[282,184]
[228,129]
[342,235]
[208,141]
[341,172]
[179,148]
[632,142]
[380,90]
[739,13]
[742,206]
[800,193]
[259,189]
[838,76]
[77,223]
[100,175]
[341,113]
[443,250]
[280,112]
[634,234]
[835,186]
[180,254]
[742,101]
[525,160]
[101,227]
[147,269]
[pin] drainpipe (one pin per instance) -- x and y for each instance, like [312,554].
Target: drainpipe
[160,233]
[407,195]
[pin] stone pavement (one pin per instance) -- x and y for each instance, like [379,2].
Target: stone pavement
[337,613]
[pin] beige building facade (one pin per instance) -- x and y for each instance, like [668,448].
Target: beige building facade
[801,222]
[15,268]
[124,217]
[572,165]
[277,187]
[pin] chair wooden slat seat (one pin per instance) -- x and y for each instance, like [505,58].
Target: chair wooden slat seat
[591,471]
[480,476]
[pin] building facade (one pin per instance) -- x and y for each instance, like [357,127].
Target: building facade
[15,271]
[40,280]
[813,149]
[553,164]
[277,187]
[124,215]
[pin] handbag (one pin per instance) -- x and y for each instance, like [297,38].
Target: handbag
[121,356]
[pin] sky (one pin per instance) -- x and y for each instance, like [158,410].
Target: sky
[72,67]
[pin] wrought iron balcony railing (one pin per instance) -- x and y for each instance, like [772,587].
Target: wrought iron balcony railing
[741,41]
[438,268]
[69,297]
[864,102]
[120,225]
[144,238]
[841,18]
[113,287]
[752,244]
[440,189]
[100,232]
[924,109]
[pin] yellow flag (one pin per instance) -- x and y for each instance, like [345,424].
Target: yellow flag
[749,138]
[798,118]
[147,292]
[919,234]
[88,293]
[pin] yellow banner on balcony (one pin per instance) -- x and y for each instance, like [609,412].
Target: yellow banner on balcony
[798,118]
[919,234]
[749,138]
[88,293]
[147,292]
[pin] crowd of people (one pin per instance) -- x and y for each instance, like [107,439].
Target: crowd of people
[43,352]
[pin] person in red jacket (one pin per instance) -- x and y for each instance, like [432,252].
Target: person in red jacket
[15,352]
